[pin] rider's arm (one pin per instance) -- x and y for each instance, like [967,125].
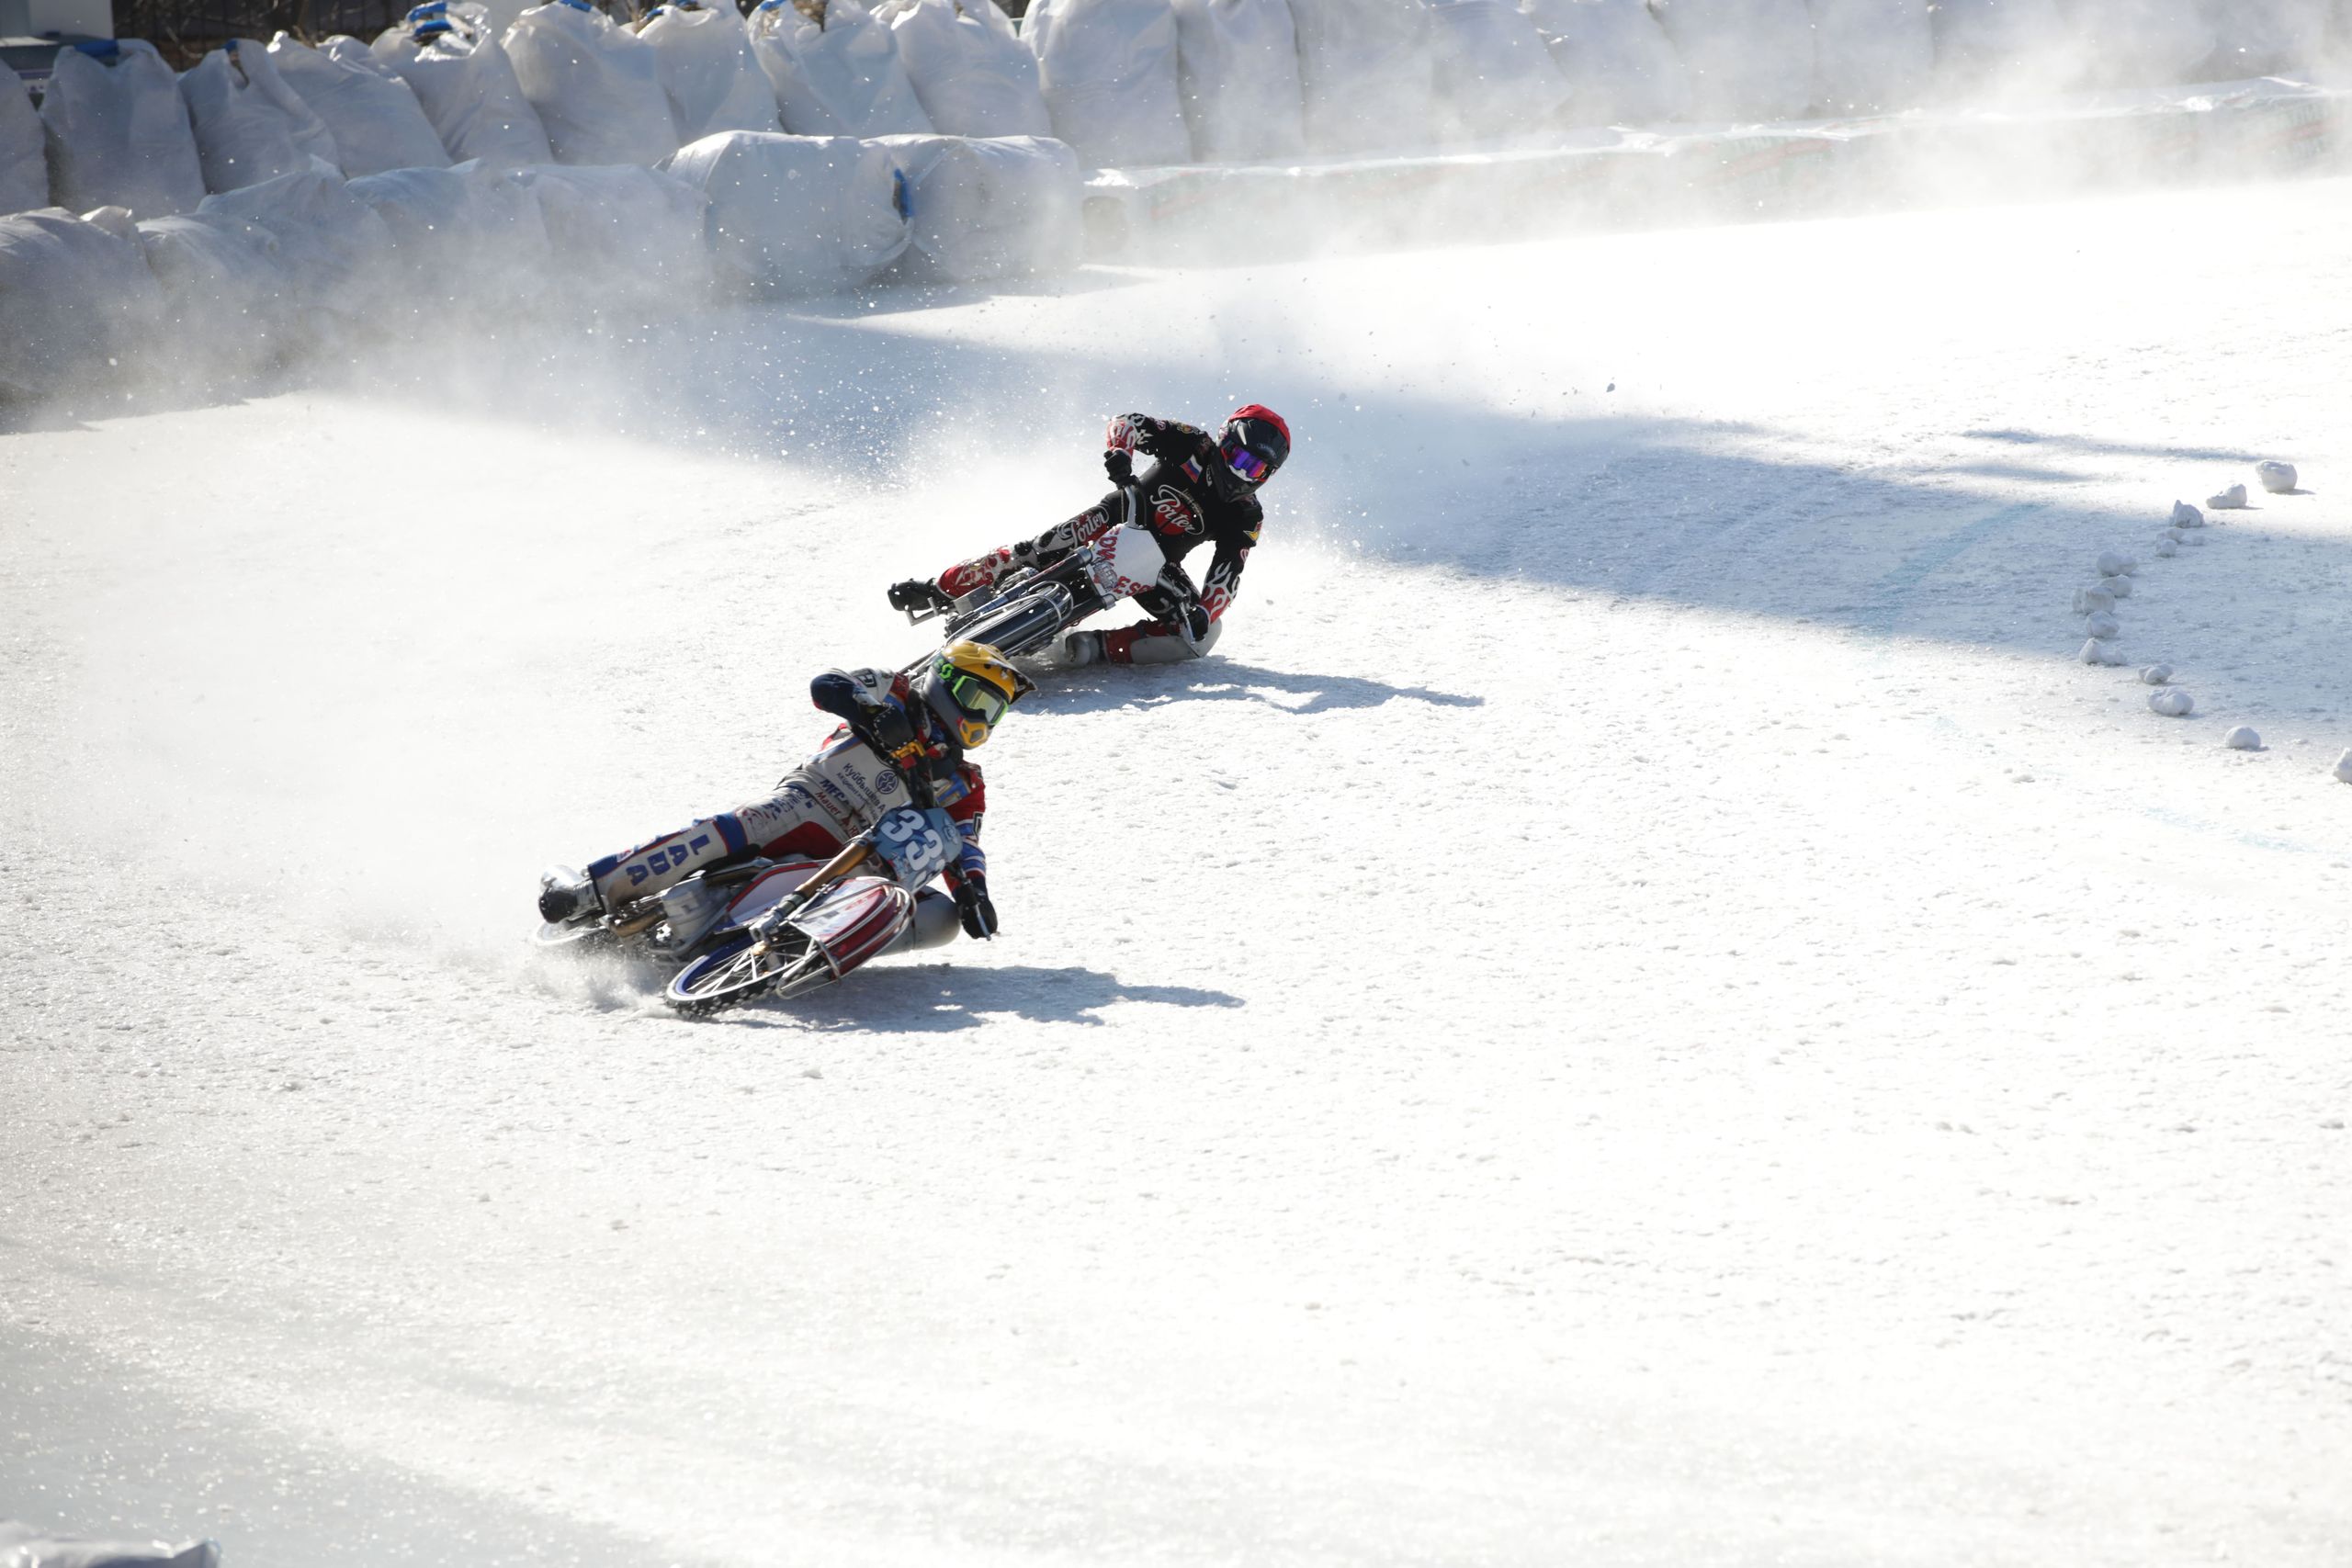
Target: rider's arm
[862,698]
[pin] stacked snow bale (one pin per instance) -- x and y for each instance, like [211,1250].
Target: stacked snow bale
[704,56]
[970,70]
[1986,45]
[373,116]
[118,132]
[1747,58]
[76,299]
[450,56]
[985,207]
[1493,77]
[250,126]
[225,289]
[1620,67]
[334,249]
[1237,75]
[595,86]
[24,161]
[468,237]
[835,69]
[2137,43]
[1870,56]
[797,214]
[628,239]
[1108,71]
[1366,73]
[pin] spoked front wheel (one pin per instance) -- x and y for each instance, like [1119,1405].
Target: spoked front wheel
[783,966]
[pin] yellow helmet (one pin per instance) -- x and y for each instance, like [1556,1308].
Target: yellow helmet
[969,687]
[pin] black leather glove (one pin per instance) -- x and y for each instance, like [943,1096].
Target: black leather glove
[1119,466]
[890,728]
[972,907]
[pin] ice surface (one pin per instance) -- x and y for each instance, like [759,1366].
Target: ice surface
[1637,1000]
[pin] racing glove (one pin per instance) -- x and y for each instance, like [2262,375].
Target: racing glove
[1119,466]
[972,907]
[880,723]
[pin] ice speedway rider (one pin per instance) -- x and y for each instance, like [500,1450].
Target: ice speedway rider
[1201,487]
[901,742]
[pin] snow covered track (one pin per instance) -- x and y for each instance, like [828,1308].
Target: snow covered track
[1644,1009]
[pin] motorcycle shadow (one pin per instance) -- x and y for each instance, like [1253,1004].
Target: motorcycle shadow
[931,999]
[1222,680]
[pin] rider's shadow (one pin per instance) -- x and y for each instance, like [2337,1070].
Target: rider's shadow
[1222,680]
[938,998]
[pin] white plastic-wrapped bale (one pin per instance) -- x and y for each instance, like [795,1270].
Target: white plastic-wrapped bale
[1619,65]
[1108,71]
[1747,58]
[1493,77]
[2011,45]
[118,132]
[972,72]
[373,115]
[999,207]
[467,235]
[2261,38]
[2141,43]
[250,126]
[76,302]
[596,85]
[798,214]
[835,69]
[1870,56]
[225,288]
[452,60]
[704,54]
[336,251]
[1365,74]
[1236,73]
[24,161]
[626,238]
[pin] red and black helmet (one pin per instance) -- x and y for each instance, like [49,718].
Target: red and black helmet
[1253,445]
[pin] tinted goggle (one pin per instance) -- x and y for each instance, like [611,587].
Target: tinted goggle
[979,698]
[1245,464]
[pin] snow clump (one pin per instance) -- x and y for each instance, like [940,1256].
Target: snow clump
[2116,587]
[2111,564]
[2102,624]
[2229,499]
[2186,516]
[2167,546]
[2171,701]
[2242,739]
[2344,767]
[2155,675]
[2279,478]
[2098,653]
[2088,600]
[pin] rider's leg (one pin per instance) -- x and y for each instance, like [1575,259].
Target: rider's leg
[935,923]
[791,820]
[1153,642]
[982,571]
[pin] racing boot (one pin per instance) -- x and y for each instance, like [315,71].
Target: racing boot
[916,596]
[568,898]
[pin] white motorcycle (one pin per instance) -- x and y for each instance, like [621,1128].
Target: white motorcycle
[785,928]
[1027,611]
